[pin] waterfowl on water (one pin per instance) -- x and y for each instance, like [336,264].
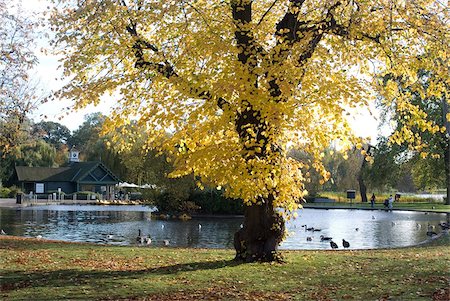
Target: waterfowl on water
[310,229]
[325,237]
[309,238]
[345,243]
[317,230]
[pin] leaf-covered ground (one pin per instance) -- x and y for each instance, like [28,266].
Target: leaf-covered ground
[45,270]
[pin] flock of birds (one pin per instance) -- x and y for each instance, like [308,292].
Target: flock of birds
[333,245]
[430,232]
[147,240]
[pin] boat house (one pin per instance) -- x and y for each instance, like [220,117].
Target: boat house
[76,177]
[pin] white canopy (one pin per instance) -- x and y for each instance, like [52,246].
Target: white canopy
[132,185]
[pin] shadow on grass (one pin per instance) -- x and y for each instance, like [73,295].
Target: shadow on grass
[14,280]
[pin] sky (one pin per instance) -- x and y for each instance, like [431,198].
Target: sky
[364,122]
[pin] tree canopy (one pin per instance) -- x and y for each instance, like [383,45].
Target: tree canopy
[17,93]
[225,87]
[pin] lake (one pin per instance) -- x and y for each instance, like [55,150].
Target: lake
[118,225]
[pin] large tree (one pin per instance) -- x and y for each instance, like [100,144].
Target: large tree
[236,82]
[17,93]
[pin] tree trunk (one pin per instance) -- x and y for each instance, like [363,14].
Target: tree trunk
[447,173]
[362,188]
[262,232]
[447,148]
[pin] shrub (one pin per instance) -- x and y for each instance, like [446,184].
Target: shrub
[4,192]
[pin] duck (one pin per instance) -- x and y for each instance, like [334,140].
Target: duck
[199,226]
[345,243]
[356,229]
[309,238]
[333,245]
[325,238]
[373,217]
[431,233]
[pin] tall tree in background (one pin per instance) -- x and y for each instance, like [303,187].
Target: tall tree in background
[236,82]
[17,93]
[427,141]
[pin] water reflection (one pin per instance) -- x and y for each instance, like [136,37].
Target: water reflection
[118,225]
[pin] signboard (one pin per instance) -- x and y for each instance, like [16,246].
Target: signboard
[39,187]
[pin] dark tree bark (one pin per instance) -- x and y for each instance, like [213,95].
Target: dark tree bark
[446,148]
[262,232]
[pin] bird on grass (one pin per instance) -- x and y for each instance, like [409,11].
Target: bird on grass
[333,245]
[148,240]
[345,243]
[166,242]
[140,238]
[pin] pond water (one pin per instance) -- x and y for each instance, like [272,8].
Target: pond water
[118,225]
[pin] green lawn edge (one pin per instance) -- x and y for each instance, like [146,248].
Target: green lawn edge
[46,270]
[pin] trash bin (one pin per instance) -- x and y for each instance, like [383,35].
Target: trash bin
[19,198]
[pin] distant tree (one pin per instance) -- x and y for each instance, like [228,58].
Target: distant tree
[88,138]
[426,141]
[17,93]
[51,132]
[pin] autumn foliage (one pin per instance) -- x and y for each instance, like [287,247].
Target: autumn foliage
[226,87]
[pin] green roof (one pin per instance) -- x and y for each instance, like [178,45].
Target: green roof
[74,172]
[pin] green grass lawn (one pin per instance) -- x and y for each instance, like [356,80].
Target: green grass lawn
[43,270]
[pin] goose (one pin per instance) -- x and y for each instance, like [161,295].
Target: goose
[333,245]
[310,229]
[317,230]
[325,238]
[345,243]
[148,240]
[309,238]
[140,238]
